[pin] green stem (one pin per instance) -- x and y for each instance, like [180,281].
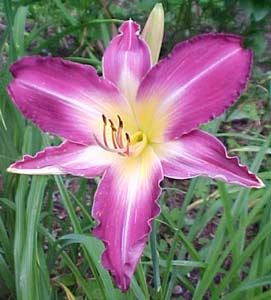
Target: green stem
[155,259]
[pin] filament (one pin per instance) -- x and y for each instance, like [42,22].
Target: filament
[121,142]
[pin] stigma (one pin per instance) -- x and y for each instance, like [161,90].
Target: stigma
[115,139]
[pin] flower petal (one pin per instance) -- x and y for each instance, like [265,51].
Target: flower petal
[195,83]
[201,154]
[76,159]
[63,97]
[127,59]
[125,204]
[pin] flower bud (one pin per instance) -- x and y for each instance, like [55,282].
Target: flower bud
[153,31]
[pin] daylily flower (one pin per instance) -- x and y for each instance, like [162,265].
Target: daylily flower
[134,126]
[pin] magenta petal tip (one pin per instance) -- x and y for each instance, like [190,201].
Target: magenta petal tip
[125,205]
[198,153]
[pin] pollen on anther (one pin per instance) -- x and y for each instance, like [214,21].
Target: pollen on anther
[127,137]
[112,125]
[119,133]
[120,122]
[104,119]
[118,144]
[128,143]
[104,131]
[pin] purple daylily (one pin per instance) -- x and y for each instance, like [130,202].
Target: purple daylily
[134,126]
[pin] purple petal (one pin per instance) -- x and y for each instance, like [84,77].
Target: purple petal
[63,97]
[127,59]
[125,204]
[195,83]
[76,159]
[201,154]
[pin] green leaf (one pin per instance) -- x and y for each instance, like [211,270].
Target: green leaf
[94,249]
[19,30]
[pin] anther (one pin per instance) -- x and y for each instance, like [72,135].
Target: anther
[119,133]
[128,143]
[104,130]
[120,141]
[128,137]
[112,125]
[113,134]
[120,122]
[104,119]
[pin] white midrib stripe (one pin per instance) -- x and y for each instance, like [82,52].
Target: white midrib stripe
[126,226]
[201,74]
[75,103]
[130,200]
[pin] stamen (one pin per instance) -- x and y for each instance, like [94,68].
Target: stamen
[119,151]
[119,133]
[104,119]
[104,130]
[120,122]
[113,134]
[128,143]
[121,143]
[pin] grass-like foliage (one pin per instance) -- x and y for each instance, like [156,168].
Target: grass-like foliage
[211,241]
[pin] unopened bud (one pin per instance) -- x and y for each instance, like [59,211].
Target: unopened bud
[153,31]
